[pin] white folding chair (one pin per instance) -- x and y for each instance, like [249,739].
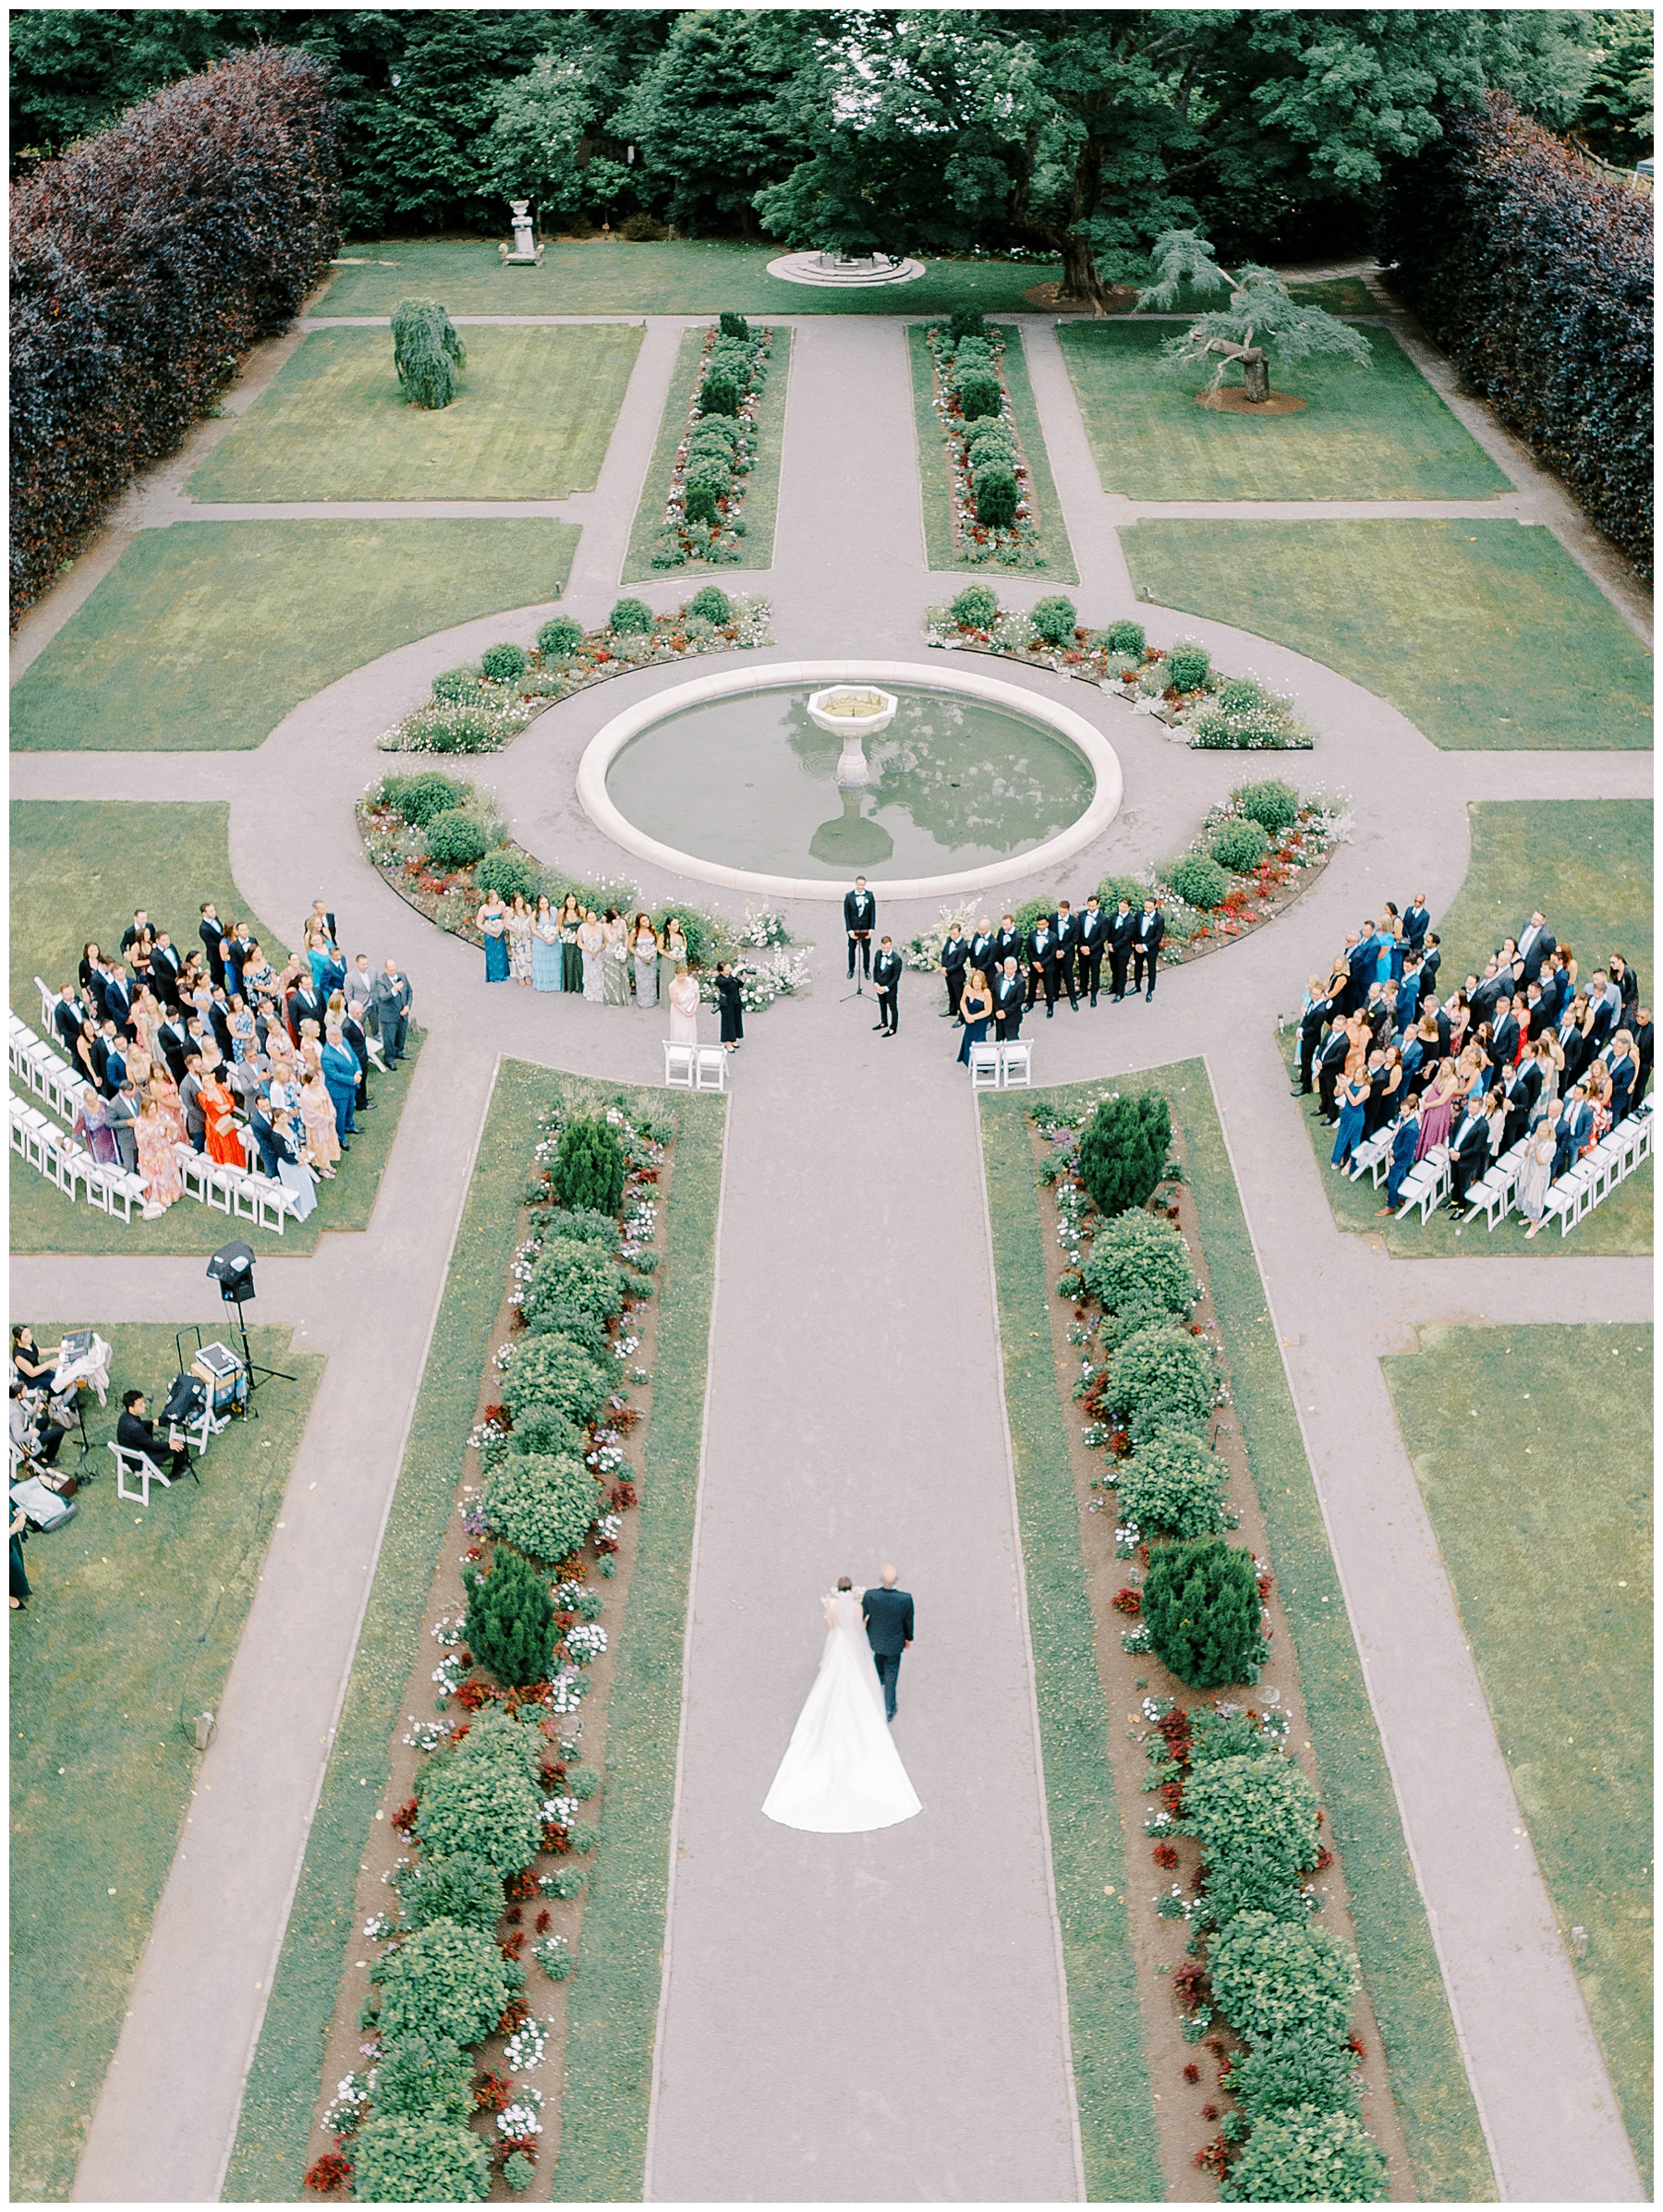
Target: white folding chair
[1015,1065]
[678,1065]
[36,1130]
[216,1184]
[273,1203]
[1491,1196]
[48,1002]
[195,1172]
[126,1190]
[712,1067]
[143,1466]
[1369,1154]
[984,1067]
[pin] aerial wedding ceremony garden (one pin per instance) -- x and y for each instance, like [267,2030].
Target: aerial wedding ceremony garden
[1061,1613]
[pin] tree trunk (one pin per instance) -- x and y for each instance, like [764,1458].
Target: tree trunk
[1255,376]
[1080,277]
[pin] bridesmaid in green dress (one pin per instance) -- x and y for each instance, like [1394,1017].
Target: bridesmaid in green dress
[571,951]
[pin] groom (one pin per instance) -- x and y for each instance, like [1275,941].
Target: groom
[887,1613]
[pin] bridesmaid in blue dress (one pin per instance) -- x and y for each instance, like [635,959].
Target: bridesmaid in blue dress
[976,1010]
[494,922]
[546,961]
[1354,1100]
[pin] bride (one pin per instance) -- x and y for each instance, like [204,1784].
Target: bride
[841,1772]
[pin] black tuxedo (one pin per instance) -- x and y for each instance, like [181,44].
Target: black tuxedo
[1068,946]
[1469,1156]
[886,974]
[1534,954]
[136,1434]
[118,1006]
[1519,1097]
[173,1040]
[1088,960]
[1504,1043]
[860,915]
[981,955]
[1122,930]
[1007,945]
[67,1021]
[1644,1046]
[1145,950]
[889,1625]
[1310,1033]
[1010,1000]
[1044,961]
[212,937]
[353,1038]
[956,959]
[164,973]
[305,1005]
[1331,1062]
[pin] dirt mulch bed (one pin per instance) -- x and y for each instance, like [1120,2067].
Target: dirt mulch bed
[1123,299]
[1229,399]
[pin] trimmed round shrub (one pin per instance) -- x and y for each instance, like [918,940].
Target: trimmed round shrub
[464,1889]
[709,466]
[698,502]
[1306,2156]
[570,1278]
[1056,620]
[1253,1805]
[972,352]
[1125,637]
[589,1168]
[711,603]
[408,2159]
[1271,803]
[967,323]
[503,663]
[453,686]
[1188,665]
[1215,1735]
[715,430]
[581,1783]
[446,1981]
[984,439]
[417,799]
[979,394]
[552,1371]
[454,730]
[721,393]
[630,617]
[545,1505]
[996,497]
[479,1799]
[1240,846]
[454,839]
[1272,1978]
[559,638]
[507,872]
[519,2172]
[1199,881]
[1175,1486]
[1112,889]
[414,2078]
[510,1622]
[587,1226]
[544,1429]
[976,607]
[1240,695]
[1201,1607]
[1162,1379]
[1254,1880]
[1135,1256]
[1308,2067]
[1124,1150]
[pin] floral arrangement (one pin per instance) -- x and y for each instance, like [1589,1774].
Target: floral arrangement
[975,540]
[716,538]
[782,976]
[924,950]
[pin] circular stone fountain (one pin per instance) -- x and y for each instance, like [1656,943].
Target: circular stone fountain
[844,270]
[788,780]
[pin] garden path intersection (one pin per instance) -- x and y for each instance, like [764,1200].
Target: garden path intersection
[852,1264]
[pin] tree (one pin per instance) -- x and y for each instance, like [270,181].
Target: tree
[1616,114]
[510,1623]
[427,352]
[708,119]
[1123,1151]
[1201,1605]
[1262,316]
[589,1168]
[551,138]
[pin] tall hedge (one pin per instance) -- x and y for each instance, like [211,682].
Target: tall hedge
[1535,276]
[143,263]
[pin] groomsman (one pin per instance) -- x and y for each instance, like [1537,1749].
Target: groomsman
[982,954]
[173,1038]
[66,1019]
[1330,1061]
[1010,995]
[1519,1095]
[1007,943]
[955,955]
[886,974]
[860,912]
[1094,937]
[1145,948]
[1043,961]
[1123,933]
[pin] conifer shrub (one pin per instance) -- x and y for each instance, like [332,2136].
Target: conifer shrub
[1125,637]
[554,1373]
[979,394]
[409,2158]
[559,638]
[455,839]
[1305,2156]
[1135,1256]
[1272,1977]
[735,326]
[1161,1380]
[1201,1606]
[968,323]
[464,1889]
[1199,881]
[418,798]
[721,393]
[545,1504]
[1239,846]
[711,603]
[1175,1486]
[1056,619]
[445,1981]
[503,663]
[427,352]
[996,496]
[1124,1149]
[510,1623]
[630,617]
[589,1168]
[976,607]
[415,2077]
[1270,802]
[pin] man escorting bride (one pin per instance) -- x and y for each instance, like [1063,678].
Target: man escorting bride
[842,1774]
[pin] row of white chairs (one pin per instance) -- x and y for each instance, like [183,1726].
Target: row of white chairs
[1589,1181]
[1584,1184]
[40,1069]
[1001,1066]
[239,1193]
[696,1067]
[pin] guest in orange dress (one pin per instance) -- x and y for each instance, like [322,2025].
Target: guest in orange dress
[225,1143]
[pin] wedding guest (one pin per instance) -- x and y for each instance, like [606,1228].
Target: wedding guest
[1535,1176]
[224,1139]
[156,1161]
[1353,1099]
[340,1073]
[317,1111]
[1405,1138]
[1010,999]
[546,964]
[121,1112]
[493,919]
[976,1009]
[517,923]
[1644,1046]
[392,999]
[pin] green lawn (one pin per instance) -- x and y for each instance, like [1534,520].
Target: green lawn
[1400,1965]
[1379,434]
[204,634]
[106,1682]
[1055,558]
[1486,635]
[763,485]
[689,277]
[531,421]
[1588,864]
[614,2005]
[1552,1570]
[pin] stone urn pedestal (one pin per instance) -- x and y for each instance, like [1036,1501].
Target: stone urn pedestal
[526,252]
[854,712]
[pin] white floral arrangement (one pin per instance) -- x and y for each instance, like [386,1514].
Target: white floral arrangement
[426,1735]
[764,928]
[567,1687]
[349,2104]
[586,1641]
[520,2119]
[526,2047]
[924,951]
[562,1811]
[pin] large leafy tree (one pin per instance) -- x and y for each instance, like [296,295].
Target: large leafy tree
[552,137]
[711,119]
[75,69]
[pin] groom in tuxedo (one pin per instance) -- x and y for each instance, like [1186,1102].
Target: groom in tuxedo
[887,1613]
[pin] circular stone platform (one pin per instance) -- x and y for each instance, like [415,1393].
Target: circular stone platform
[809,268]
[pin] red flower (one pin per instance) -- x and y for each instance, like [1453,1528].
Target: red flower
[404,1818]
[542,1922]
[525,2144]
[515,1917]
[493,2093]
[1192,1985]
[1265,1581]
[623,1496]
[1171,1794]
[523,1884]
[1214,2157]
[516,2015]
[1165,1856]
[1128,1601]
[328,2172]
[511,1946]
[1325,1858]
[500,1414]
[1354,2042]
[1192,2073]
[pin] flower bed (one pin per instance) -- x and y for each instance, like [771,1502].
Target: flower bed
[479,707]
[502,1810]
[994,505]
[1178,686]
[703,517]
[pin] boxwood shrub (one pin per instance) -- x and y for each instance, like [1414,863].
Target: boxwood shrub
[630,617]
[1268,1805]
[996,497]
[455,839]
[1056,619]
[1309,2157]
[446,1981]
[1272,1977]
[452,686]
[1188,665]
[1239,846]
[976,607]
[480,1804]
[418,798]
[1201,1606]
[552,1371]
[1161,1379]
[1135,1256]
[559,638]
[1199,881]
[503,663]
[979,394]
[1270,802]
[1125,637]
[711,603]
[545,1504]
[1175,1486]
[409,2158]
[464,1889]
[572,1279]
[507,871]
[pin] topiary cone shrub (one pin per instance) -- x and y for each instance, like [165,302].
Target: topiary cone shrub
[1201,1606]
[589,1168]
[1124,1150]
[510,1624]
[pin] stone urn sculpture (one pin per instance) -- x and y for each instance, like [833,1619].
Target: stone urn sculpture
[527,253]
[854,712]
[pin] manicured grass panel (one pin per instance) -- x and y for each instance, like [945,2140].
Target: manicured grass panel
[1112,2082]
[531,421]
[80,868]
[935,484]
[1486,635]
[611,2013]
[1399,1966]
[688,277]
[206,634]
[1365,433]
[763,485]
[112,1659]
[1552,1569]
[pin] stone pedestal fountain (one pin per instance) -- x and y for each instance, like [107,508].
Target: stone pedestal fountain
[854,712]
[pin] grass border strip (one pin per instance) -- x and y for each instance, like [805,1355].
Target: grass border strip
[760,511]
[935,496]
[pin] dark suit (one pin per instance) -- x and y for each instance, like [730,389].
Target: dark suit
[888,1624]
[1404,1139]
[352,1033]
[67,1021]
[1359,967]
[956,959]
[1536,952]
[1043,964]
[135,1433]
[1431,964]
[1416,922]
[1068,945]
[304,1005]
[1570,1133]
[860,915]
[212,938]
[981,955]
[1504,1043]
[1010,1000]
[1122,930]
[1145,950]
[1469,1156]
[1007,945]
[1523,1088]
[118,1005]
[164,973]
[389,996]
[886,974]
[171,1038]
[1644,1046]
[1094,939]
[273,1146]
[1330,1064]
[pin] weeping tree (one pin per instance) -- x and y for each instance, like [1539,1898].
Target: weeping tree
[426,352]
[1262,317]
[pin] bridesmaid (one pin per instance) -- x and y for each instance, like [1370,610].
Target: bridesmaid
[493,921]
[517,923]
[976,1009]
[684,1008]
[616,986]
[646,948]
[546,961]
[571,953]
[672,953]
[591,943]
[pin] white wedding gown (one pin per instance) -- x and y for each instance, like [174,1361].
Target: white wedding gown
[841,1773]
